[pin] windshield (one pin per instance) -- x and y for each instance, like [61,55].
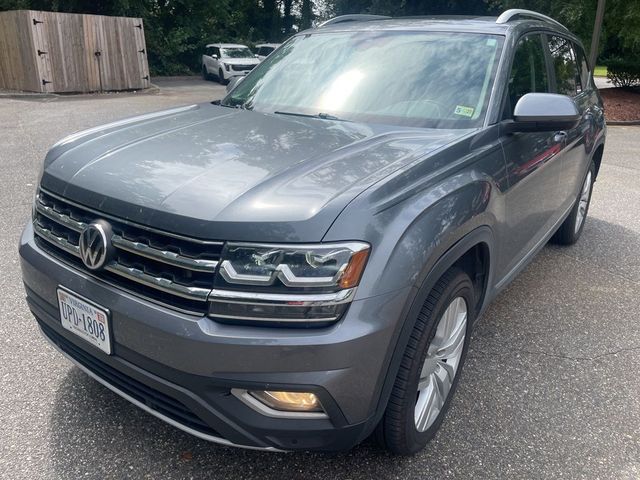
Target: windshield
[428,79]
[239,52]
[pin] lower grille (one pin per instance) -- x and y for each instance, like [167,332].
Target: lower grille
[154,399]
[242,68]
[174,270]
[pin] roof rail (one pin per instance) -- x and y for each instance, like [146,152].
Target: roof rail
[513,13]
[352,18]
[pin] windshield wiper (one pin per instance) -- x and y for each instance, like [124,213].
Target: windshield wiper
[323,116]
[239,106]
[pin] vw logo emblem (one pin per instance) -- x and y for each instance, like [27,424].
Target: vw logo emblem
[95,245]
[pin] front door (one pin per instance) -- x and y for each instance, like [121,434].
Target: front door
[533,160]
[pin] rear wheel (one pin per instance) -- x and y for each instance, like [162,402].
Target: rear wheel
[430,368]
[571,229]
[221,78]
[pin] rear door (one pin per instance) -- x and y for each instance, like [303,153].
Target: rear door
[570,79]
[533,159]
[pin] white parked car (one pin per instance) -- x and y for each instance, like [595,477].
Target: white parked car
[264,49]
[227,60]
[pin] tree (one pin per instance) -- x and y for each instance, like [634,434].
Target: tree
[177,30]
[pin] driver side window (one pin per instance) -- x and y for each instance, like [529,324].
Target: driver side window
[528,72]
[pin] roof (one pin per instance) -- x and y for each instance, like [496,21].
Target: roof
[509,21]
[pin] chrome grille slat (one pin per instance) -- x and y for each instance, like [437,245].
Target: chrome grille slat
[197,264]
[61,218]
[175,270]
[168,286]
[56,240]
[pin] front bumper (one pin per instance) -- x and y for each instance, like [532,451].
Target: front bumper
[182,367]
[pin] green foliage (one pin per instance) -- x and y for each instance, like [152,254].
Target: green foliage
[600,71]
[177,30]
[624,73]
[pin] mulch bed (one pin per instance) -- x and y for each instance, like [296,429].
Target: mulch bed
[621,104]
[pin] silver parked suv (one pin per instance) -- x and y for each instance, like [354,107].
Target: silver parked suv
[301,263]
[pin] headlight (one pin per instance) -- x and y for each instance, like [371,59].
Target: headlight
[287,283]
[330,267]
[226,66]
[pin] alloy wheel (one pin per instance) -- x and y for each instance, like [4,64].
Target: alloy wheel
[585,194]
[441,364]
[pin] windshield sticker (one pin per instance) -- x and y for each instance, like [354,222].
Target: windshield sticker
[464,111]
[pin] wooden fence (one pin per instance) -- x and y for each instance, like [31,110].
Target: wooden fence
[66,52]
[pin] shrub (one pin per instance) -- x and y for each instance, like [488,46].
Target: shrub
[624,73]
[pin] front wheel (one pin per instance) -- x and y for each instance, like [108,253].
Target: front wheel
[430,367]
[571,229]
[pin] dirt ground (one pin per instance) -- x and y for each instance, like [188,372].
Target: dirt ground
[621,104]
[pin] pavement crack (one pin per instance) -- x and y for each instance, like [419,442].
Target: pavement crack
[603,268]
[574,358]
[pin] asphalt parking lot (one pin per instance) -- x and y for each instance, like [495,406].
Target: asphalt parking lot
[550,390]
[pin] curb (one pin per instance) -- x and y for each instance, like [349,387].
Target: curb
[177,77]
[153,89]
[26,95]
[621,123]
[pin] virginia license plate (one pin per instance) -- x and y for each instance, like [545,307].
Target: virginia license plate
[86,319]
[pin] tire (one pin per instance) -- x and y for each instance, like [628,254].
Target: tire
[571,229]
[398,430]
[221,78]
[205,73]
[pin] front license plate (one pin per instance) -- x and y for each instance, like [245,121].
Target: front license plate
[85,319]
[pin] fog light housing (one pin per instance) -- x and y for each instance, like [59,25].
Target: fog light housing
[288,401]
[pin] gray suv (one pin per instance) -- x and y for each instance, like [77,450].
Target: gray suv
[300,265]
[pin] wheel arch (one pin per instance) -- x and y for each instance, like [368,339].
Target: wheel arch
[475,249]
[597,157]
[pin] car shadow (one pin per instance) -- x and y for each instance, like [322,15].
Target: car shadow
[608,245]
[89,423]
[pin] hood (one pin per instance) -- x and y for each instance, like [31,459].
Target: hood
[219,173]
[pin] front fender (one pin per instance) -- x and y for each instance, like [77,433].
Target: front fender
[408,238]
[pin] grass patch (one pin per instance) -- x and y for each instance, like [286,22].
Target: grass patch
[600,71]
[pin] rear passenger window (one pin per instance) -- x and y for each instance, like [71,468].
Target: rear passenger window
[528,72]
[583,68]
[564,65]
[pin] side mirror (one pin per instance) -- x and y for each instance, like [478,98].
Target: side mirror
[233,82]
[256,55]
[543,112]
[214,56]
